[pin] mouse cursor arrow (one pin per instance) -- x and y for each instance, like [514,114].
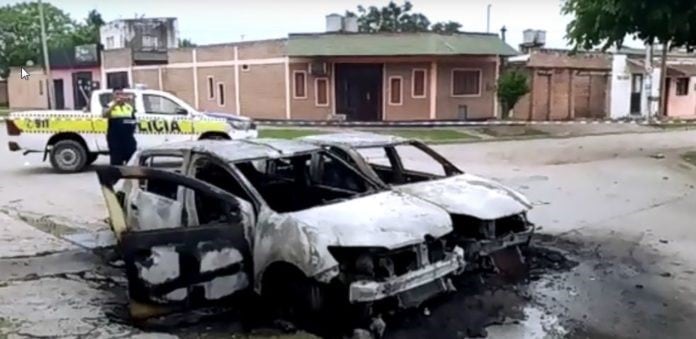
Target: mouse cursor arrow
[23,73]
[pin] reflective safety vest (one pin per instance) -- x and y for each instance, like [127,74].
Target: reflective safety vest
[122,111]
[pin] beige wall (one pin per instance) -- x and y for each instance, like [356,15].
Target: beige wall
[209,101]
[262,49]
[411,108]
[262,91]
[27,94]
[117,58]
[215,53]
[180,83]
[478,107]
[148,77]
[178,55]
[307,108]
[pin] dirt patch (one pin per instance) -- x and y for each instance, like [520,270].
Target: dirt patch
[511,131]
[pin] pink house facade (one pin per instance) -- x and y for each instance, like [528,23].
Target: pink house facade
[681,89]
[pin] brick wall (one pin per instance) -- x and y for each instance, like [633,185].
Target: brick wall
[148,77]
[210,101]
[27,94]
[477,107]
[262,91]
[411,108]
[307,108]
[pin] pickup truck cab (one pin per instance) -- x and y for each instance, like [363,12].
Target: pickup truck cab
[73,140]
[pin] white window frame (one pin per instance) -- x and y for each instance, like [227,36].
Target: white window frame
[480,86]
[401,90]
[210,82]
[217,87]
[413,83]
[294,84]
[316,92]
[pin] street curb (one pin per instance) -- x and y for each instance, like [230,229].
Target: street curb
[405,123]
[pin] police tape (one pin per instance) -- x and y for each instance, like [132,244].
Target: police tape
[459,123]
[82,118]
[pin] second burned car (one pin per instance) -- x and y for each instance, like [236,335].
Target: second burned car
[201,221]
[490,220]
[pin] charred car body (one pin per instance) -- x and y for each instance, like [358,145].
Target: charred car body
[489,218]
[201,221]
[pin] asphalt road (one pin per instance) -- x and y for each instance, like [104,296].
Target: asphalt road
[627,217]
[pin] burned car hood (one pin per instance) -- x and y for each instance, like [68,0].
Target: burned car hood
[467,194]
[386,219]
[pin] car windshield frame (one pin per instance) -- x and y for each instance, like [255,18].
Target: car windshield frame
[449,168]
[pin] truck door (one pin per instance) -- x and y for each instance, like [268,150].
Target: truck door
[180,266]
[163,120]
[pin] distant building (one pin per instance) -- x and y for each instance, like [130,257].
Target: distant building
[146,39]
[564,85]
[339,74]
[75,70]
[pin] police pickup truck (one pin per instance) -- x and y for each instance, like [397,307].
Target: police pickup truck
[73,140]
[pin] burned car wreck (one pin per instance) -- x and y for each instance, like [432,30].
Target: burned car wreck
[201,221]
[490,220]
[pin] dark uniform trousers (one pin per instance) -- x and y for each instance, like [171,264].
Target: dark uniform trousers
[120,137]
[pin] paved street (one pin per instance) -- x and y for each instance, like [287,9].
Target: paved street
[625,214]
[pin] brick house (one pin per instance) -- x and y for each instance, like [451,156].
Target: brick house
[563,85]
[394,76]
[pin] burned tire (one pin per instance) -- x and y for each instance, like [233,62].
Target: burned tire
[68,156]
[293,297]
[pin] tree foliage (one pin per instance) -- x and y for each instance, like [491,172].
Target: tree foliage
[512,85]
[186,43]
[398,18]
[608,22]
[20,32]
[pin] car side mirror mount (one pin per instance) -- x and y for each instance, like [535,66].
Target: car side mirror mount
[182,111]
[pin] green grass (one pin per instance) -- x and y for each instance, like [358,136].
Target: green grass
[4,111]
[428,134]
[287,133]
[690,157]
[675,126]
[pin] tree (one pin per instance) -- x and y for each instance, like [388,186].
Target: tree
[88,32]
[398,18]
[609,22]
[446,27]
[512,85]
[186,43]
[20,33]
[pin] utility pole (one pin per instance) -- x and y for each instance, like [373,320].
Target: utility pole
[47,64]
[663,81]
[646,97]
[488,18]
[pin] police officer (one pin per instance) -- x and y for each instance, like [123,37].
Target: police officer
[120,135]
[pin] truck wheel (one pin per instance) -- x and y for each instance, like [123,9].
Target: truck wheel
[68,156]
[91,158]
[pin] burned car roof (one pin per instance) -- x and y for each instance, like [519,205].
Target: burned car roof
[355,139]
[241,149]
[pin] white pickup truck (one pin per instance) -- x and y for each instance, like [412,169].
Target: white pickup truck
[73,140]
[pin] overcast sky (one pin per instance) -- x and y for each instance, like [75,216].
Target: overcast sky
[217,21]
